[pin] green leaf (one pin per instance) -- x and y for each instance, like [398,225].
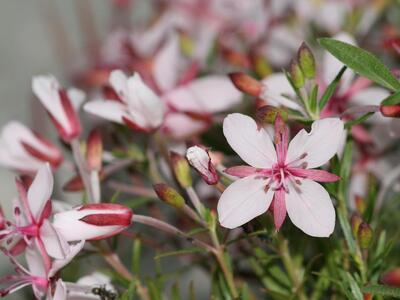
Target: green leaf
[331,89]
[179,252]
[136,251]
[175,293]
[382,290]
[357,121]
[392,99]
[362,62]
[313,98]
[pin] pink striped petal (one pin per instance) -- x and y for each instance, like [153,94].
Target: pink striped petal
[317,175]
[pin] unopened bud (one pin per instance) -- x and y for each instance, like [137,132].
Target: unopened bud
[364,235]
[169,195]
[246,84]
[392,111]
[268,114]
[261,66]
[360,204]
[296,74]
[392,278]
[355,222]
[181,170]
[199,159]
[94,150]
[2,220]
[235,58]
[306,61]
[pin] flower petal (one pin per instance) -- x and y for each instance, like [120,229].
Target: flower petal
[110,110]
[310,208]
[54,243]
[35,262]
[253,144]
[60,292]
[318,146]
[58,264]
[243,200]
[40,191]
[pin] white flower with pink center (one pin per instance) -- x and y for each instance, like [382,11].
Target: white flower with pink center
[283,177]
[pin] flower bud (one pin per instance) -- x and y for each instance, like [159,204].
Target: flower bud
[235,57]
[306,61]
[359,203]
[392,111]
[181,170]
[92,221]
[199,159]
[246,84]
[94,150]
[169,195]
[355,222]
[2,220]
[392,278]
[60,104]
[268,114]
[364,235]
[296,74]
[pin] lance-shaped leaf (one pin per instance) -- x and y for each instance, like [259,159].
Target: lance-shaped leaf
[362,62]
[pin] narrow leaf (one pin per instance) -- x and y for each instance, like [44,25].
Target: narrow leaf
[362,62]
[392,99]
[382,290]
[331,89]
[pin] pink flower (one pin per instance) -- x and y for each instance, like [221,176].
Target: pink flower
[60,104]
[139,107]
[199,159]
[93,221]
[283,177]
[38,275]
[26,151]
[31,214]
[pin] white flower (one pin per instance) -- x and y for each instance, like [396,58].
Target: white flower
[282,178]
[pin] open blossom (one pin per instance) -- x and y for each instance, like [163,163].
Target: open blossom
[31,219]
[93,221]
[60,104]
[23,150]
[137,106]
[38,275]
[199,159]
[281,177]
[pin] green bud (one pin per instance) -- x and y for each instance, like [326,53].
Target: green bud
[296,74]
[364,235]
[355,222]
[306,61]
[268,114]
[181,170]
[169,195]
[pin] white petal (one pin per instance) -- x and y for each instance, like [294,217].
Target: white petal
[242,201]
[77,97]
[60,292]
[166,64]
[107,109]
[319,145]
[332,66]
[54,243]
[181,126]
[370,96]
[40,190]
[119,82]
[310,208]
[252,144]
[142,100]
[35,262]
[58,264]
[46,88]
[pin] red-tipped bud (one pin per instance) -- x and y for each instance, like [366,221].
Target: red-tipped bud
[93,221]
[364,235]
[181,169]
[169,195]
[199,159]
[392,111]
[94,150]
[60,104]
[306,60]
[360,204]
[235,57]
[268,114]
[392,278]
[2,220]
[296,74]
[246,84]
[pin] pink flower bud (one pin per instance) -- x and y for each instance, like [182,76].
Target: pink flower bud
[246,84]
[93,221]
[392,278]
[392,111]
[199,159]
[60,104]
[94,150]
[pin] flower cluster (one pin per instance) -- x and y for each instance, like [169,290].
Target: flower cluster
[222,110]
